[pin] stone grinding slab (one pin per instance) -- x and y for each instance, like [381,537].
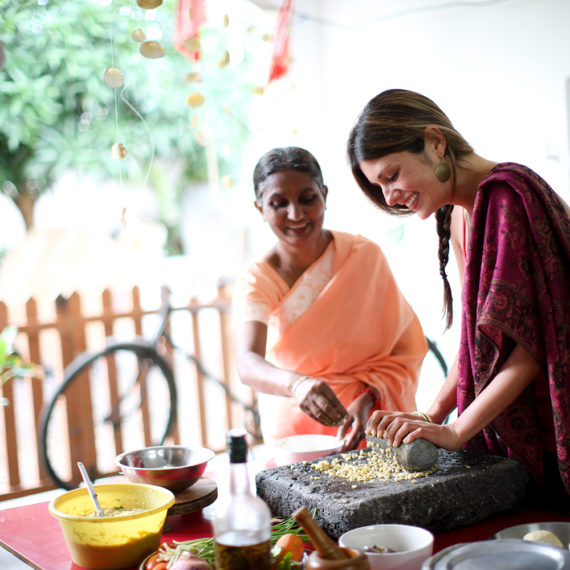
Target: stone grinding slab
[467,487]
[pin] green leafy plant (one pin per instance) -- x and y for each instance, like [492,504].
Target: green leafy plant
[58,114]
[11,363]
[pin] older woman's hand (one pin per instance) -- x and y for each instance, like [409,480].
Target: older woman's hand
[355,421]
[317,400]
[405,427]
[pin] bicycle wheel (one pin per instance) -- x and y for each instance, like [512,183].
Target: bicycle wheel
[433,348]
[123,397]
[434,366]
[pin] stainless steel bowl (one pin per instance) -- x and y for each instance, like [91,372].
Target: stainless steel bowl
[560,529]
[174,467]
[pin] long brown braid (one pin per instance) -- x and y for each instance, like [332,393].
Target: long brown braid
[443,217]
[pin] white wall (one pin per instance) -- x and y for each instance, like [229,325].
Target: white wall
[498,70]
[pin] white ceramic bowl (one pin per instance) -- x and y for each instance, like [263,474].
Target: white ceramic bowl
[412,545]
[304,447]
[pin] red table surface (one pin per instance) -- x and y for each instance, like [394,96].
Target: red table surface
[34,536]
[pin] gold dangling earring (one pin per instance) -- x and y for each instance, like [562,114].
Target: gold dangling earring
[442,172]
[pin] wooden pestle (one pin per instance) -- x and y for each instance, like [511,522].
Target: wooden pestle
[324,544]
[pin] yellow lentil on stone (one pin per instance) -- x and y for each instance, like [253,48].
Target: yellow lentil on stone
[376,466]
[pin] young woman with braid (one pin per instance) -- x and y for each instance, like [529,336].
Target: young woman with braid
[510,381]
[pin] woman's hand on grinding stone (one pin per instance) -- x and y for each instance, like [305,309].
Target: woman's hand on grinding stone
[405,427]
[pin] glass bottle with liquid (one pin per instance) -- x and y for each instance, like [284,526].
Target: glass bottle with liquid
[242,527]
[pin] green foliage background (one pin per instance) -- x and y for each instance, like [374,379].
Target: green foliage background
[56,112]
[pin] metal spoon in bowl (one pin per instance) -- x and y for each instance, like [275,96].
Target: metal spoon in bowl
[90,489]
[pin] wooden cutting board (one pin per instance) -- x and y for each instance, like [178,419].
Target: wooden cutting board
[203,493]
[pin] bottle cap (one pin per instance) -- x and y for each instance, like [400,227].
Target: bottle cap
[237,446]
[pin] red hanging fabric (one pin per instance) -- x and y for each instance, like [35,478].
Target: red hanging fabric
[190,15]
[280,60]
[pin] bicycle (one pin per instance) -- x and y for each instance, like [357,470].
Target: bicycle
[142,394]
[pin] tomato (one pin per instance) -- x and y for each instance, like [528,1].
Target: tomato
[151,562]
[154,563]
[293,544]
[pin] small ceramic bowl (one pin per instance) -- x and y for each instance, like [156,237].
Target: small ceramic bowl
[304,447]
[174,467]
[411,545]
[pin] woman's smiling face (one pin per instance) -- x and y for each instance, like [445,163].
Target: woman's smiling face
[294,206]
[408,179]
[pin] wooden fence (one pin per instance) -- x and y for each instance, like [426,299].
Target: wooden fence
[205,411]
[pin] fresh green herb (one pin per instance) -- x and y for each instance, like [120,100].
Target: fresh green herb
[289,525]
[285,562]
[205,547]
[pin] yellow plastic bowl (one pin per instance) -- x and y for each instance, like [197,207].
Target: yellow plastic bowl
[117,541]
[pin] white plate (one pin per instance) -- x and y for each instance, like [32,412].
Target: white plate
[507,554]
[141,567]
[304,447]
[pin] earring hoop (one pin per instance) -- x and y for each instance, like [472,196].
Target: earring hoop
[442,171]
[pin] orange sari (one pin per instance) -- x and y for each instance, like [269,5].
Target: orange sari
[344,321]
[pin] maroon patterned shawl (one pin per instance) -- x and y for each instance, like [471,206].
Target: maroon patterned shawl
[516,290]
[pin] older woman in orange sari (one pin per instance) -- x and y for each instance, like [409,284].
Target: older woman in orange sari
[326,336]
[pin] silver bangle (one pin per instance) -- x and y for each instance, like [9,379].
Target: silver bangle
[424,416]
[295,384]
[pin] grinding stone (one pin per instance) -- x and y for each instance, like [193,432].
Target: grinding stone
[467,487]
